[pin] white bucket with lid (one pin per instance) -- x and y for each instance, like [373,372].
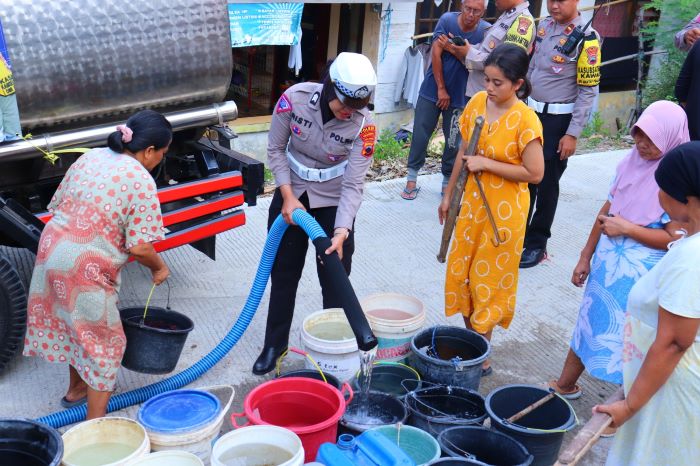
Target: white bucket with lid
[258,445]
[168,458]
[109,441]
[327,336]
[198,442]
[394,319]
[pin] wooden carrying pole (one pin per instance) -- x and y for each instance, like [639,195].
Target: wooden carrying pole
[458,192]
[528,409]
[588,434]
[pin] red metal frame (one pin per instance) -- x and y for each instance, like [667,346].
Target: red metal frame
[205,230]
[201,209]
[191,189]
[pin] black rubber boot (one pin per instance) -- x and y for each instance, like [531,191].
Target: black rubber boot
[267,360]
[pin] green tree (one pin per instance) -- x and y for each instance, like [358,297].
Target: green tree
[675,14]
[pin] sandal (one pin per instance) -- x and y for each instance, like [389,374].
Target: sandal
[72,404]
[609,432]
[486,372]
[574,394]
[410,194]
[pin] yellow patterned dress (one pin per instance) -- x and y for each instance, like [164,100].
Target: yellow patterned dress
[482,279]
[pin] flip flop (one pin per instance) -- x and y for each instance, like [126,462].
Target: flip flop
[486,372]
[410,194]
[574,394]
[71,404]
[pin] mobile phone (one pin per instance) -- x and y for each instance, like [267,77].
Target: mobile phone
[457,40]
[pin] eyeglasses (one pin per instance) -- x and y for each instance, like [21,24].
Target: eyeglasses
[472,11]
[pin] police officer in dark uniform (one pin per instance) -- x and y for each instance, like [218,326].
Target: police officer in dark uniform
[320,146]
[564,72]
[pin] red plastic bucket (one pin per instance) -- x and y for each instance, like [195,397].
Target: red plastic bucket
[309,408]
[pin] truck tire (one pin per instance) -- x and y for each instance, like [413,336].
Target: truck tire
[13,311]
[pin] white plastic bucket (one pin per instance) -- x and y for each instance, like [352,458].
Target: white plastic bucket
[198,442]
[168,458]
[262,440]
[114,440]
[337,356]
[394,332]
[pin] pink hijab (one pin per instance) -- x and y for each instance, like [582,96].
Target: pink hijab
[635,194]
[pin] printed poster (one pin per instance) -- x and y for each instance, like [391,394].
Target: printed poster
[264,23]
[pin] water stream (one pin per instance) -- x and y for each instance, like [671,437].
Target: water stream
[365,380]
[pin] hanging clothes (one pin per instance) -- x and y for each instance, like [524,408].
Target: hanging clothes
[410,76]
[294,62]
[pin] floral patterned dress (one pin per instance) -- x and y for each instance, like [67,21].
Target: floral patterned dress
[106,204]
[482,279]
[617,264]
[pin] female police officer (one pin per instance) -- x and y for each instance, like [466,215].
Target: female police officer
[320,145]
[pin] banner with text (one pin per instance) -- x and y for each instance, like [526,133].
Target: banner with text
[264,23]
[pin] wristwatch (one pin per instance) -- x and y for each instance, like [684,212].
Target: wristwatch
[341,231]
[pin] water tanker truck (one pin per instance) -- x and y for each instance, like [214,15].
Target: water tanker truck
[80,68]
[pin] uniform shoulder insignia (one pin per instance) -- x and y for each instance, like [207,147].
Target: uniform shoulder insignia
[283,105]
[521,31]
[588,65]
[368,134]
[314,98]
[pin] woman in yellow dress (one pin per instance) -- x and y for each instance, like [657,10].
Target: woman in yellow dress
[482,277]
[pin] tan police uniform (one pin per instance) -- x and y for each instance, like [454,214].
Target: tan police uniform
[564,89]
[328,162]
[515,26]
[325,164]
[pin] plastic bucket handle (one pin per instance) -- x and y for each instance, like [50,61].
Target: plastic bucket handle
[347,390]
[235,424]
[303,353]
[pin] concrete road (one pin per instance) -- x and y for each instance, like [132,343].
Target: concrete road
[397,242]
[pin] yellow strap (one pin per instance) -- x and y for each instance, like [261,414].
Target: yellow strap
[51,155]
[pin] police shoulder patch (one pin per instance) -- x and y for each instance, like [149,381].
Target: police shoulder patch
[588,66]
[283,105]
[521,31]
[368,134]
[314,98]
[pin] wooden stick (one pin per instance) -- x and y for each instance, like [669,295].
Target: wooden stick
[588,434]
[528,409]
[458,192]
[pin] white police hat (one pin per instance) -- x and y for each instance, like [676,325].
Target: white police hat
[353,76]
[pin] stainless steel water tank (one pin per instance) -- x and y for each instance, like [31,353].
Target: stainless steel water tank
[83,60]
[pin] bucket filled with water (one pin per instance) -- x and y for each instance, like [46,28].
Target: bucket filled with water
[391,378]
[450,356]
[373,409]
[187,420]
[107,441]
[329,340]
[542,430]
[29,443]
[258,446]
[440,407]
[418,444]
[394,319]
[153,343]
[309,408]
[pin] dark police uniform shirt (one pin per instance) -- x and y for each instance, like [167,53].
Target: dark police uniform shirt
[297,125]
[558,78]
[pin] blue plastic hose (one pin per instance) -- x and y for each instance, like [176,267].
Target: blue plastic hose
[187,376]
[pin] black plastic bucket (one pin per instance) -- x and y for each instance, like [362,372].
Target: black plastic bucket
[391,378]
[312,374]
[456,462]
[483,445]
[29,443]
[382,409]
[541,431]
[440,407]
[460,353]
[155,346]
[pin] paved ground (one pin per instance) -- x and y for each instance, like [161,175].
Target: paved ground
[397,241]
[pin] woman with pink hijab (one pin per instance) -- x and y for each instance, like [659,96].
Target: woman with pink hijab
[629,236]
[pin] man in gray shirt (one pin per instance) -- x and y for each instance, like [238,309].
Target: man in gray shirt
[686,37]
